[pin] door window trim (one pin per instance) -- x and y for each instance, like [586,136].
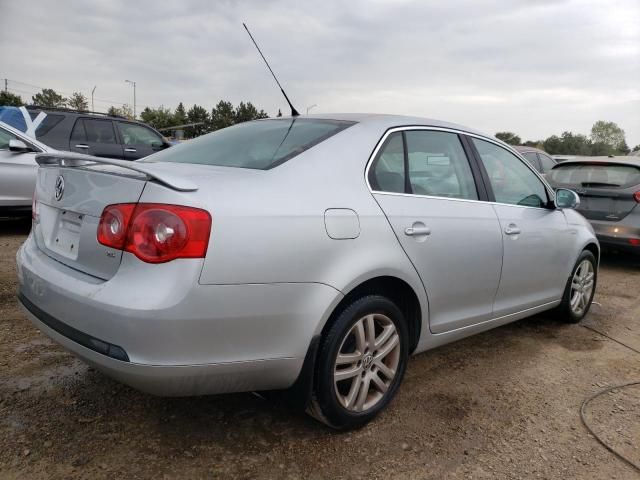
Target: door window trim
[475,170]
[474,161]
[492,198]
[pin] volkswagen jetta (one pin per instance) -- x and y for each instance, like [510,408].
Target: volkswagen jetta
[312,253]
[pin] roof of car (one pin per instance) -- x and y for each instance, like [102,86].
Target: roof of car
[618,160]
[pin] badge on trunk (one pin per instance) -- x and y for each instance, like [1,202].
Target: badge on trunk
[59,188]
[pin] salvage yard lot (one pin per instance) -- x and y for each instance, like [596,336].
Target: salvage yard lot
[504,404]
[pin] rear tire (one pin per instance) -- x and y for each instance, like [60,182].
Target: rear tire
[580,288]
[361,361]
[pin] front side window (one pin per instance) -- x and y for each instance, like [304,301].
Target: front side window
[260,144]
[133,134]
[5,137]
[512,181]
[438,165]
[99,131]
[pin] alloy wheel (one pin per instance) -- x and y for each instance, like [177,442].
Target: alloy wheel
[581,287]
[367,362]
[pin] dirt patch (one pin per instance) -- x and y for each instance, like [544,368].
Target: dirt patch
[500,405]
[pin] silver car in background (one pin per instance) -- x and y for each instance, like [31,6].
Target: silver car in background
[18,169]
[314,254]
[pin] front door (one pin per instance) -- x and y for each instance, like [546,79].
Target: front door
[138,141]
[423,181]
[537,244]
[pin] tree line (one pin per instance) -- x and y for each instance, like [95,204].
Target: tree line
[224,114]
[606,138]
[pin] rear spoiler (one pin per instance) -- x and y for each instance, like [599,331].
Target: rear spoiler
[70,159]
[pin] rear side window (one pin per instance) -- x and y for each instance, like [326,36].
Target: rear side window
[99,131]
[438,165]
[594,175]
[387,174]
[261,144]
[50,121]
[78,134]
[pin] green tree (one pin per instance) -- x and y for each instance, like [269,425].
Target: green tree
[607,133]
[180,115]
[197,114]
[8,99]
[78,101]
[222,115]
[623,148]
[568,144]
[124,111]
[534,143]
[49,98]
[509,137]
[247,111]
[279,113]
[636,148]
[158,117]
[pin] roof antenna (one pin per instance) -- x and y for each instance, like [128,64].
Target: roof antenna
[294,112]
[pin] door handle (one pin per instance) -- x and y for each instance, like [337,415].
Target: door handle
[82,145]
[130,150]
[416,231]
[512,229]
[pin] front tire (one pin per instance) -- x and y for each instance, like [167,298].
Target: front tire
[580,288]
[361,362]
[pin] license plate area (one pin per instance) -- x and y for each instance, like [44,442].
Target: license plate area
[64,237]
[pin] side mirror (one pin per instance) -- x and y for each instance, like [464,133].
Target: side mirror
[159,145]
[18,146]
[566,198]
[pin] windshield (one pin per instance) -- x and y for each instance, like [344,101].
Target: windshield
[594,175]
[261,144]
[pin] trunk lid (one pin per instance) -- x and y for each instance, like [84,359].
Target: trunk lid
[605,204]
[70,201]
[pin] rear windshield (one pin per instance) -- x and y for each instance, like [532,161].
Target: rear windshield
[261,144]
[605,175]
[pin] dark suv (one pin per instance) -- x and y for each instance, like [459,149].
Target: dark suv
[539,159]
[97,134]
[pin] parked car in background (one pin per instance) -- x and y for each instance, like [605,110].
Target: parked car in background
[540,159]
[18,169]
[609,190]
[94,134]
[315,253]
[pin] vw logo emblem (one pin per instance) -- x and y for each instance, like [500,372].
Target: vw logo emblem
[59,188]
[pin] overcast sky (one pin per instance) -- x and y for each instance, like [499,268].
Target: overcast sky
[535,67]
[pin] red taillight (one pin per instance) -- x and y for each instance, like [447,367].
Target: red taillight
[635,242]
[636,196]
[155,232]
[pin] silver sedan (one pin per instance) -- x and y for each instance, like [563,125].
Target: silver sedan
[313,254]
[18,169]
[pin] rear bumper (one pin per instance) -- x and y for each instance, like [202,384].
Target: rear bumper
[618,235]
[156,329]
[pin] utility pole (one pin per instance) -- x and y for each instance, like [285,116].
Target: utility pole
[92,91]
[310,107]
[134,97]
[6,85]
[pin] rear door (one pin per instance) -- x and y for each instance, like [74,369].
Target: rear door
[95,136]
[137,140]
[537,241]
[424,183]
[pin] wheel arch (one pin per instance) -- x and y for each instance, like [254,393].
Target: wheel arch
[396,290]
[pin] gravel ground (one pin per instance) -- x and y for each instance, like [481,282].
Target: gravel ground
[504,404]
